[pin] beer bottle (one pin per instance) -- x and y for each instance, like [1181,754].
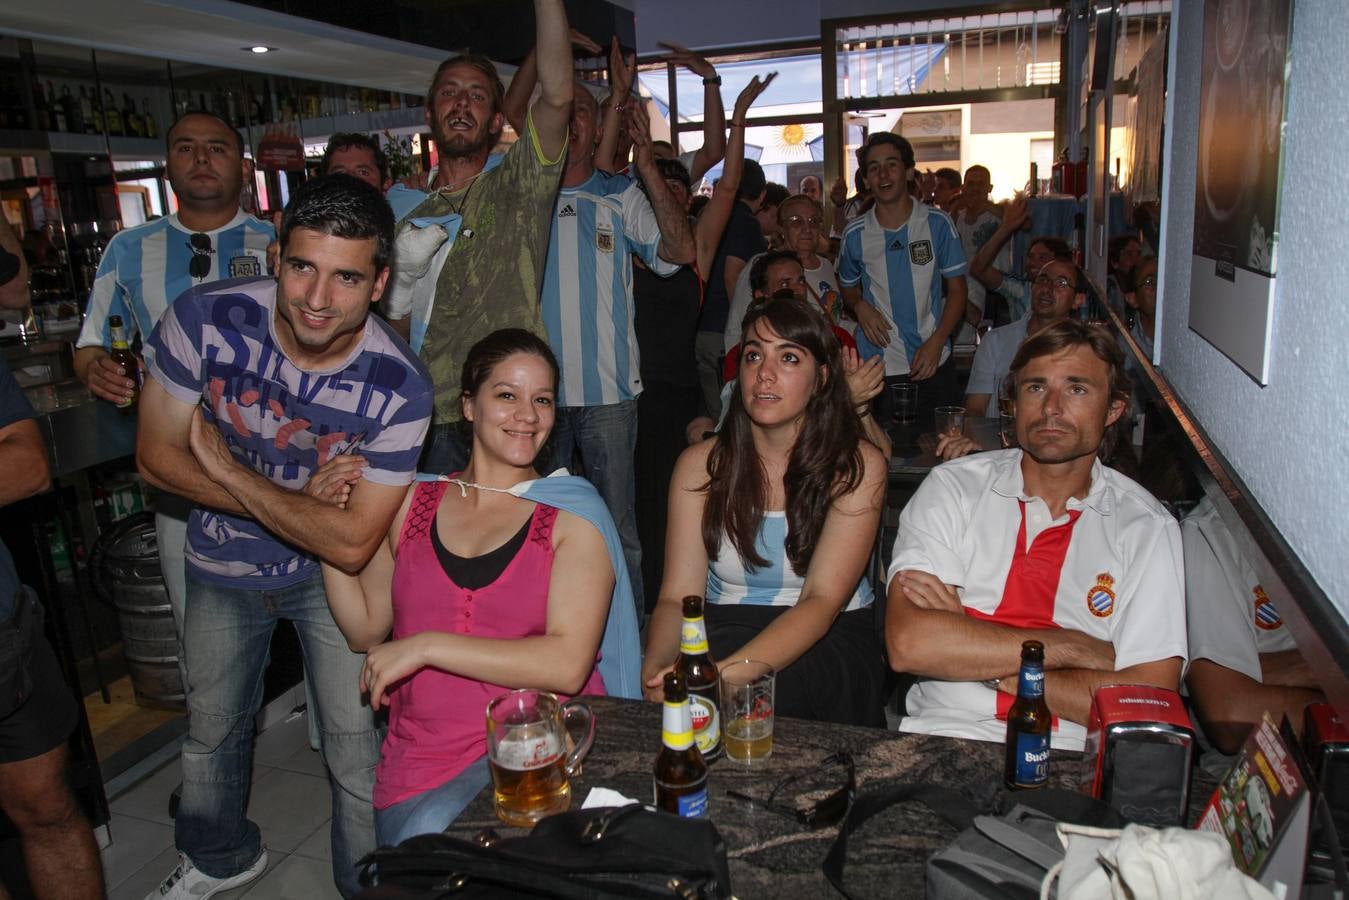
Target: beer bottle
[700,676]
[680,773]
[122,355]
[1028,724]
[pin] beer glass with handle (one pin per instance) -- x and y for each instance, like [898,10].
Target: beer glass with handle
[527,754]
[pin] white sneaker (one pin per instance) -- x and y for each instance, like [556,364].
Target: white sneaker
[187,882]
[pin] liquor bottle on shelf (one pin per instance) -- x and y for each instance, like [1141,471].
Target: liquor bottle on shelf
[112,118]
[44,118]
[231,109]
[55,111]
[148,124]
[74,115]
[131,119]
[93,119]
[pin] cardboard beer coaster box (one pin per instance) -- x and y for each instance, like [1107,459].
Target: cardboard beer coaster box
[1140,740]
[1262,807]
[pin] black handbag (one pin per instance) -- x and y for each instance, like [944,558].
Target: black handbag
[596,854]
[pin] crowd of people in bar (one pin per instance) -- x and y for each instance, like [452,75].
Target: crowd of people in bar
[485,430]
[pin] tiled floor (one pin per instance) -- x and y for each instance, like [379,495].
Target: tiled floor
[290,803]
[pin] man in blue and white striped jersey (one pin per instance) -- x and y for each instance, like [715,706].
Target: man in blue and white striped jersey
[599,222]
[144,269]
[902,270]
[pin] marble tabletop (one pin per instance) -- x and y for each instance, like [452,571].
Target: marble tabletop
[774,856]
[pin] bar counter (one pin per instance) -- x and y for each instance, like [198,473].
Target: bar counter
[774,856]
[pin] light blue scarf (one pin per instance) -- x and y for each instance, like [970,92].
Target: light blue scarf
[620,649]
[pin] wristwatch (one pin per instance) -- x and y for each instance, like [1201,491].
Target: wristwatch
[715,79]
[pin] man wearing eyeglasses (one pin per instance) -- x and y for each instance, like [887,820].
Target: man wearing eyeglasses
[1055,292]
[144,269]
[1143,301]
[800,220]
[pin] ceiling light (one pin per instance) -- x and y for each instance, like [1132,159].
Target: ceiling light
[258,48]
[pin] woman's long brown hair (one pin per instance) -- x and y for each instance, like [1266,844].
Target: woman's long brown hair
[825,462]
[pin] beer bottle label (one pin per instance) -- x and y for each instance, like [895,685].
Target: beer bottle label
[690,805]
[676,727]
[1031,682]
[1032,759]
[693,806]
[706,722]
[693,637]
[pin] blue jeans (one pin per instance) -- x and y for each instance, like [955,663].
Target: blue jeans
[431,812]
[606,438]
[227,633]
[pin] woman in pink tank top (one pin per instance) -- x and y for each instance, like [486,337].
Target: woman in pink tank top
[483,591]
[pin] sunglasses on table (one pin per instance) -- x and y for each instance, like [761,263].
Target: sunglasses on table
[824,812]
[200,245]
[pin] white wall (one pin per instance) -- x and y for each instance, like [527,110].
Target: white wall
[1288,441]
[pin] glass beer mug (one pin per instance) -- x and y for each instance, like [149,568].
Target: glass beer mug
[527,754]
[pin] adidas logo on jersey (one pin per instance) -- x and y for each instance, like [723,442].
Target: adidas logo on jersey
[567,210]
[896,244]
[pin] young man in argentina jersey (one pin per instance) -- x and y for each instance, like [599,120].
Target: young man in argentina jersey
[599,222]
[144,269]
[902,271]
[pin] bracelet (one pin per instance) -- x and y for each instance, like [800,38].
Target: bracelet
[715,79]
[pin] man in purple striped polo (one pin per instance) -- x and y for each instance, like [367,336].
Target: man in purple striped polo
[293,420]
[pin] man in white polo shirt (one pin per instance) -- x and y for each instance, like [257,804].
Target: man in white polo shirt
[1041,542]
[1244,660]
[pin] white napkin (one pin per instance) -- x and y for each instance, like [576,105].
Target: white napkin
[1140,862]
[604,797]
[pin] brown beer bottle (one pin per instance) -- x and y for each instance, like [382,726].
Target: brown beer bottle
[1028,724]
[122,355]
[680,772]
[700,676]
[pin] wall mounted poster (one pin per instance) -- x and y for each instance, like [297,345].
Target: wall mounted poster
[1236,208]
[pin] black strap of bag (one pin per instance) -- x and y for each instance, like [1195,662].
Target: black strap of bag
[613,852]
[957,809]
[960,811]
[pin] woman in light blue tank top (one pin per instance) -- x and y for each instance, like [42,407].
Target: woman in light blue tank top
[774,520]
